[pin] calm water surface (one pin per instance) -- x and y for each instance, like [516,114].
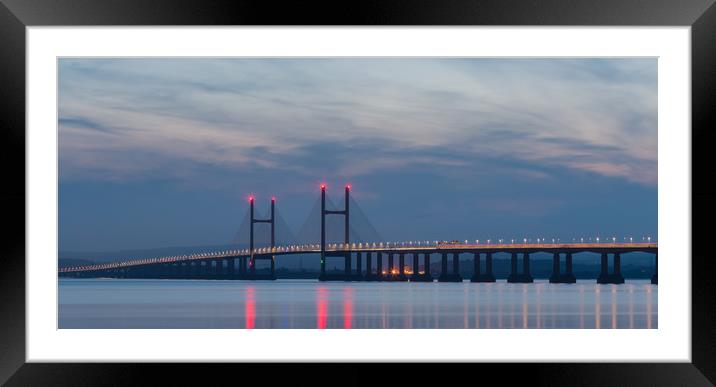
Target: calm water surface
[125,303]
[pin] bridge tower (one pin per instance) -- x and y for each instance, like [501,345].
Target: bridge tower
[346,213]
[271,220]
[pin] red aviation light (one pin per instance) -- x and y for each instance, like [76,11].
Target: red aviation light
[348,187]
[273,199]
[323,186]
[251,198]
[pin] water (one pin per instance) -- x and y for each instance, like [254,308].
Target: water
[125,303]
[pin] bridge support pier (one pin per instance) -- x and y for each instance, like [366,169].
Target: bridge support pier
[368,265]
[203,269]
[254,276]
[206,272]
[350,274]
[393,273]
[611,278]
[232,268]
[416,264]
[426,276]
[401,264]
[223,268]
[525,276]
[513,266]
[346,275]
[562,278]
[389,272]
[369,275]
[198,269]
[569,275]
[478,276]
[359,266]
[455,275]
[379,267]
[401,268]
[655,277]
[554,278]
[347,264]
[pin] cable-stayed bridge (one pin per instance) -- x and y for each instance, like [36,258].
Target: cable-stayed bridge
[363,259]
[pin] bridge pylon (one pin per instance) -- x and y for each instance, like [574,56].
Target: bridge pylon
[252,255]
[346,255]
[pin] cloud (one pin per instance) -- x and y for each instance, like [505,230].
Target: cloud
[133,118]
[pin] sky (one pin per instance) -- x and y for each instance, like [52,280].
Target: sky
[160,152]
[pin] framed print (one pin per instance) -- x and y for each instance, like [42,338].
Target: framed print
[483,182]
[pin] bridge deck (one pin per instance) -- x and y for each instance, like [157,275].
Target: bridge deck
[405,248]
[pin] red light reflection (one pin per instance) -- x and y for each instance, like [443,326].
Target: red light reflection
[250,308]
[322,307]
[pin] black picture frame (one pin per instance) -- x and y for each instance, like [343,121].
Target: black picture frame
[15,15]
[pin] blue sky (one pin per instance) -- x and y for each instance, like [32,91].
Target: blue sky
[164,152]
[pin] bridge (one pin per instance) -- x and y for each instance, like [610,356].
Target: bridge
[370,265]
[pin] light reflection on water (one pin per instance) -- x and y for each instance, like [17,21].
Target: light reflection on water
[112,303]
